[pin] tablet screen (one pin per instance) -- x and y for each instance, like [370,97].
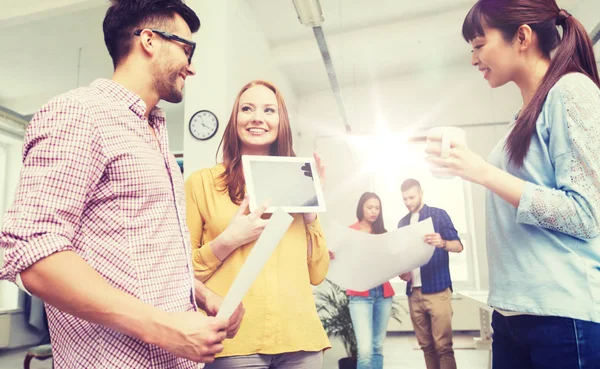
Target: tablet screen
[288,182]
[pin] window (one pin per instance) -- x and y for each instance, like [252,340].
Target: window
[393,159]
[10,165]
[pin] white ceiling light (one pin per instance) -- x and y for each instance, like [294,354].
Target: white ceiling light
[309,12]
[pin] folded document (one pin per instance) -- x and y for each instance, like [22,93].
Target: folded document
[364,261]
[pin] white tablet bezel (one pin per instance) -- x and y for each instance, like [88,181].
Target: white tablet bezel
[246,159]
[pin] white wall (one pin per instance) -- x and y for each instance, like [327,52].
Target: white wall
[232,51]
[89,63]
[586,12]
[453,95]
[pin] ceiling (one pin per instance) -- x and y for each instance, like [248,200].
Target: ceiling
[51,47]
[45,50]
[368,40]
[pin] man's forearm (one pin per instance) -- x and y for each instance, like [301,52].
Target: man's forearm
[453,246]
[65,281]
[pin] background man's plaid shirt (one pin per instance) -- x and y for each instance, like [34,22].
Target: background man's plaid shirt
[435,275]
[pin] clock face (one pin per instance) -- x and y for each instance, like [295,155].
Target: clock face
[204,125]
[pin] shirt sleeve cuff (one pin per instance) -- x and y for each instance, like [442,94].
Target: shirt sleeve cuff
[314,227]
[208,258]
[314,236]
[20,284]
[27,253]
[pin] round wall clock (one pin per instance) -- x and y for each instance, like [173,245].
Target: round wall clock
[203,125]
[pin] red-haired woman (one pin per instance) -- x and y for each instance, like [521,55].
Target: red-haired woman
[281,328]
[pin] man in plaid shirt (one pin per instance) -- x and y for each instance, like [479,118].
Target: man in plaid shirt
[429,287]
[97,229]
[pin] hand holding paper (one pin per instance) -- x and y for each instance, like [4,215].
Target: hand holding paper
[243,228]
[211,304]
[434,239]
[406,276]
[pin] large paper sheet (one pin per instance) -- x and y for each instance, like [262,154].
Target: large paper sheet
[261,252]
[364,261]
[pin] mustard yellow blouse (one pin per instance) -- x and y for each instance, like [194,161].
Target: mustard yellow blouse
[280,309]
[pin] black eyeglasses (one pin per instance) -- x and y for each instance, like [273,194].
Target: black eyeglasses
[189,52]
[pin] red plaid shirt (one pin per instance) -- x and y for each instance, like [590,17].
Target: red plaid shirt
[96,182]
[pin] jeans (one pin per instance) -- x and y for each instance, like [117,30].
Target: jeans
[536,342]
[370,317]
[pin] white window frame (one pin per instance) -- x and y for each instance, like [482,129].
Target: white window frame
[467,235]
[12,131]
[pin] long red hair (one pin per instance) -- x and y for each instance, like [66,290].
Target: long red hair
[233,178]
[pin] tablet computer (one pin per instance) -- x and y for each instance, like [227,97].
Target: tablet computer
[290,183]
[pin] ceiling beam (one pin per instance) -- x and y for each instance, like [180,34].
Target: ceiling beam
[595,34]
[12,123]
[13,114]
[335,85]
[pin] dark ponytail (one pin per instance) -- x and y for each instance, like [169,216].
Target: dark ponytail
[574,53]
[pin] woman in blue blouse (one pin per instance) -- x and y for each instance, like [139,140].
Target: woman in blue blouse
[543,181]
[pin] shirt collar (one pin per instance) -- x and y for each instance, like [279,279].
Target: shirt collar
[424,211]
[130,99]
